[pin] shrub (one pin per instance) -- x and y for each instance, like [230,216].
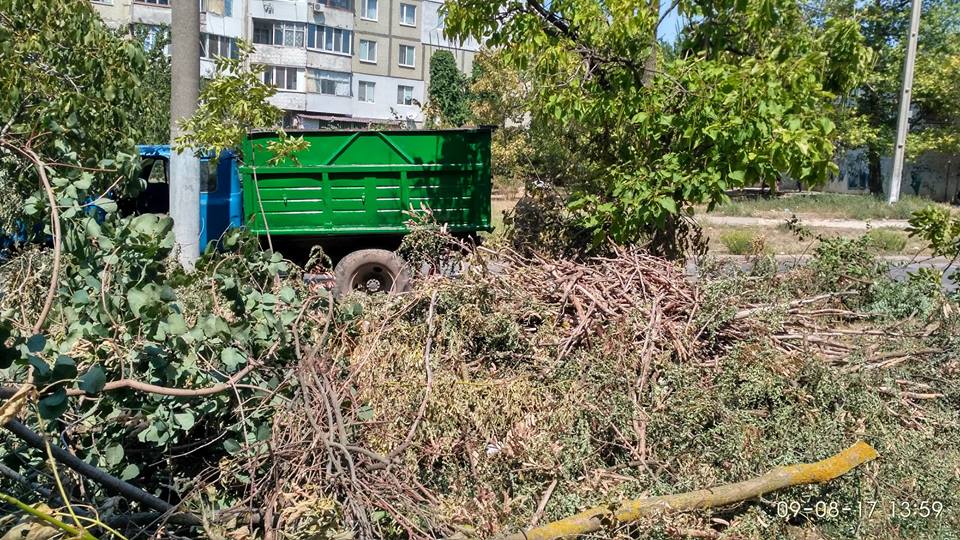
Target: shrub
[840,263]
[886,240]
[740,242]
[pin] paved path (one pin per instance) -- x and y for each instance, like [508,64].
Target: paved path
[851,224]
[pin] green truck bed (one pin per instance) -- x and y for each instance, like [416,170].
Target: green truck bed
[350,183]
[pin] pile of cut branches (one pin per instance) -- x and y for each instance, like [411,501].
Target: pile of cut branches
[528,389]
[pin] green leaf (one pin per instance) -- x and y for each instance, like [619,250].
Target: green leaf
[113,454]
[130,472]
[668,204]
[53,405]
[232,358]
[64,368]
[287,294]
[231,446]
[176,325]
[36,343]
[93,381]
[40,367]
[184,419]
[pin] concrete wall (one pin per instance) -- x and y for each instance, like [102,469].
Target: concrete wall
[385,98]
[933,175]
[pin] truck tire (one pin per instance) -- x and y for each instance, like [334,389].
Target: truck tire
[371,271]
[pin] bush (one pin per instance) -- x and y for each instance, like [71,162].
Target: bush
[841,263]
[740,242]
[887,240]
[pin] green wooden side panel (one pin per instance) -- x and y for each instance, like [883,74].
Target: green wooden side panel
[366,182]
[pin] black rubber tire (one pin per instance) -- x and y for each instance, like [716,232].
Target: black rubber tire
[371,271]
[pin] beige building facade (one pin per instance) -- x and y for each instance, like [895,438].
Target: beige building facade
[334,62]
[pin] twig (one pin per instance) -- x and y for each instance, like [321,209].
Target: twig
[543,503]
[74,532]
[55,222]
[426,393]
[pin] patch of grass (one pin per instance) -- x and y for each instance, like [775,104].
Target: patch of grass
[826,205]
[887,240]
[741,242]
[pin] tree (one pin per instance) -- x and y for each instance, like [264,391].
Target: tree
[750,100]
[934,119]
[102,335]
[448,91]
[76,110]
[155,79]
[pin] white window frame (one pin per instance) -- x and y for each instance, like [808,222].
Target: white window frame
[414,8]
[365,11]
[371,46]
[345,82]
[372,88]
[401,56]
[401,95]
[320,39]
[272,70]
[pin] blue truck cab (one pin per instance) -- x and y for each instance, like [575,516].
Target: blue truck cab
[221,193]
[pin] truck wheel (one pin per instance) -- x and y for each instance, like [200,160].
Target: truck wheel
[371,271]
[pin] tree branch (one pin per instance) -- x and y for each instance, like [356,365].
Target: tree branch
[55,222]
[112,483]
[794,475]
[6,392]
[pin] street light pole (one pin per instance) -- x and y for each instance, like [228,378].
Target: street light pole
[903,120]
[184,92]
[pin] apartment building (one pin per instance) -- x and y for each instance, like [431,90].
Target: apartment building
[333,62]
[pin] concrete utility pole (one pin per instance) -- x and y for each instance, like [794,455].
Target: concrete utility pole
[184,92]
[903,120]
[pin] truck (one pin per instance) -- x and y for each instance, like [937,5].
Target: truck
[351,192]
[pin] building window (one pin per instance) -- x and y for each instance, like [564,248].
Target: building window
[365,93]
[284,78]
[404,95]
[228,8]
[339,4]
[281,33]
[329,39]
[368,51]
[212,46]
[408,14]
[368,10]
[154,2]
[331,83]
[407,55]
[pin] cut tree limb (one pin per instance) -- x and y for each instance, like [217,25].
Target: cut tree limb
[629,511]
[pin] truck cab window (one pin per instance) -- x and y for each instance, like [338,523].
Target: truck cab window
[208,177]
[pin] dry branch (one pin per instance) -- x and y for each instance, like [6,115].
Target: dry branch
[782,477]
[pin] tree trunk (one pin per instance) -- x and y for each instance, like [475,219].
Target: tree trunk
[875,179]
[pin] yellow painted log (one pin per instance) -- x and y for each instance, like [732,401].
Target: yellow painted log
[629,511]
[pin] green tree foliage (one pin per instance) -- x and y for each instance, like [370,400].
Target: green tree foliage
[155,111]
[232,103]
[76,106]
[749,100]
[448,92]
[934,118]
[128,342]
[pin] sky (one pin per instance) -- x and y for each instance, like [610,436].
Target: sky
[671,25]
